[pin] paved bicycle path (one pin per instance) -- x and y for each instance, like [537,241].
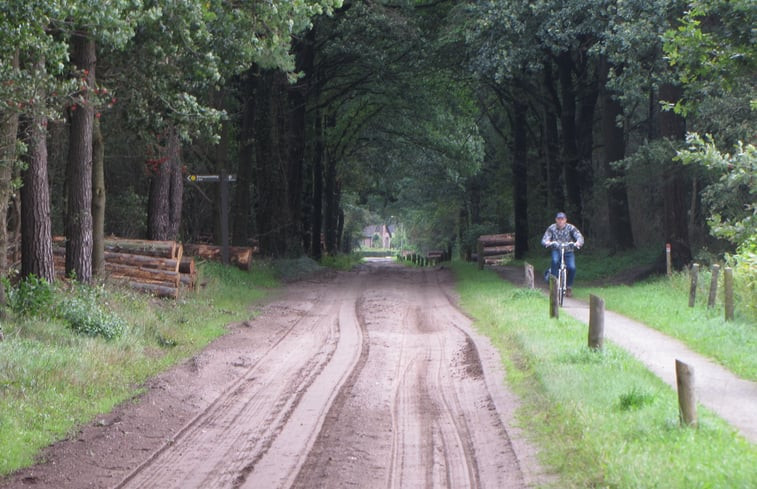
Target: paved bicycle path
[732,398]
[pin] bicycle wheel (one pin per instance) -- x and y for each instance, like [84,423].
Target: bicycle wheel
[562,286]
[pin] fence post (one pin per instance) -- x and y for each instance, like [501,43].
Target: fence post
[728,291]
[596,322]
[668,259]
[713,287]
[694,280]
[687,406]
[554,307]
[529,269]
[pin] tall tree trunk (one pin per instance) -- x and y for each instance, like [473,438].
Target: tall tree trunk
[242,194]
[589,94]
[36,232]
[675,183]
[317,209]
[98,201]
[330,216]
[272,187]
[8,139]
[621,234]
[520,177]
[555,198]
[79,167]
[570,156]
[166,190]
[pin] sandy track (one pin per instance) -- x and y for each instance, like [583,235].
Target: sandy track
[369,379]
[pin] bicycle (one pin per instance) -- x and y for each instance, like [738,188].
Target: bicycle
[562,271]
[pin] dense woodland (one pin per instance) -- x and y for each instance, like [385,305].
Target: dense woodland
[448,119]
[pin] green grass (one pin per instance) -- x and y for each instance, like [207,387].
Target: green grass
[663,304]
[52,379]
[601,419]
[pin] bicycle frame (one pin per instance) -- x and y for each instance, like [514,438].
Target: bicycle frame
[562,273]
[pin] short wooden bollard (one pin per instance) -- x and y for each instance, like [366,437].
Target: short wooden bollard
[668,260]
[713,287]
[554,307]
[529,270]
[596,322]
[687,406]
[728,292]
[693,288]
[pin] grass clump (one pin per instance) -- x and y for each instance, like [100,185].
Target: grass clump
[54,377]
[342,261]
[601,419]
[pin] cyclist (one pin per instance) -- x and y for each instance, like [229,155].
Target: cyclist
[563,232]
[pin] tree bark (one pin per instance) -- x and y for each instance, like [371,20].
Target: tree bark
[242,205]
[9,121]
[621,234]
[166,191]
[675,184]
[79,167]
[520,178]
[98,200]
[570,155]
[36,232]
[555,198]
[317,209]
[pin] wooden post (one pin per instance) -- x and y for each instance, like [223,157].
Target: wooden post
[668,259]
[693,288]
[728,292]
[480,250]
[554,306]
[687,406]
[224,210]
[713,287]
[596,322]
[529,269]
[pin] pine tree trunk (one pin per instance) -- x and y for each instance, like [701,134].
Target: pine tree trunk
[675,183]
[621,234]
[79,168]
[555,198]
[98,201]
[317,209]
[570,155]
[242,196]
[36,233]
[8,137]
[520,178]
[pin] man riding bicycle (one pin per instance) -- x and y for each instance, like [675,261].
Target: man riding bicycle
[562,232]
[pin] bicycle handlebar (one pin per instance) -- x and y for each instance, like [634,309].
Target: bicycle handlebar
[558,244]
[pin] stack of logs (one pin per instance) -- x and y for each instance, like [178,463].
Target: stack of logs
[494,247]
[156,267]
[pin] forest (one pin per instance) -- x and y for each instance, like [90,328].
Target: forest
[452,118]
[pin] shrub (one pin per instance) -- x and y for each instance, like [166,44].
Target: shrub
[32,296]
[84,315]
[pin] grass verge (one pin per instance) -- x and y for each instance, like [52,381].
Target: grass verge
[53,379]
[601,419]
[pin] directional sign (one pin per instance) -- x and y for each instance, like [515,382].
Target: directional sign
[210,178]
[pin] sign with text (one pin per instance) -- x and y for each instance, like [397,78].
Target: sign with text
[210,178]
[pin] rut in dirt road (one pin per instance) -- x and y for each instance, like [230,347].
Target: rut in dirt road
[363,379]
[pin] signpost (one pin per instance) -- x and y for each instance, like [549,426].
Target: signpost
[223,178]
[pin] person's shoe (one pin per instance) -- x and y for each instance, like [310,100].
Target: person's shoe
[569,292]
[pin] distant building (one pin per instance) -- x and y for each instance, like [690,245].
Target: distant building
[378,236]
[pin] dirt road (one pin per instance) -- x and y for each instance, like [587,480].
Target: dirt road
[363,379]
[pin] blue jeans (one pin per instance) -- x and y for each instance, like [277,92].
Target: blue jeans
[570,264]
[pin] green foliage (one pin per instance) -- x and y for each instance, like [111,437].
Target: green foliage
[85,313]
[732,199]
[31,297]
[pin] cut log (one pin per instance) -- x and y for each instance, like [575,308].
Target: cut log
[117,270]
[498,250]
[497,239]
[241,256]
[142,261]
[165,249]
[156,290]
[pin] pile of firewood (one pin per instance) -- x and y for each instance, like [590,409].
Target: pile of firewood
[494,247]
[157,267]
